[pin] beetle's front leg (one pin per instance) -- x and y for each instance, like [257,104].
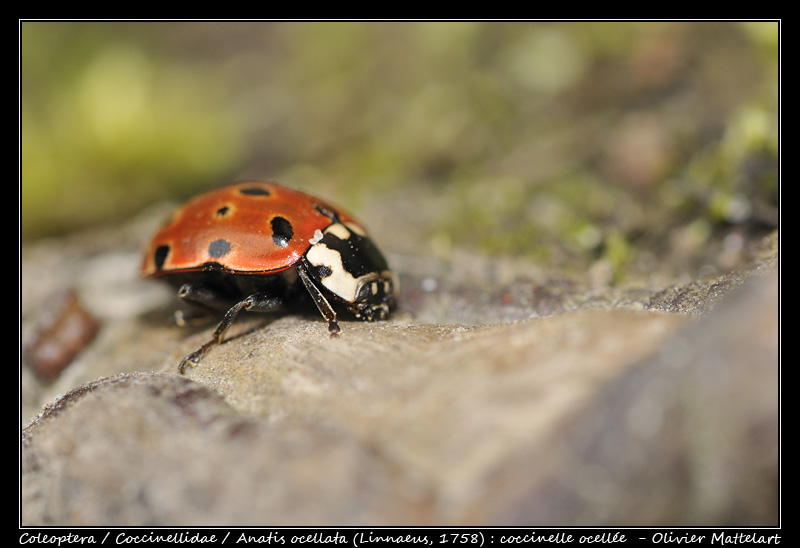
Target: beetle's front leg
[258,302]
[322,303]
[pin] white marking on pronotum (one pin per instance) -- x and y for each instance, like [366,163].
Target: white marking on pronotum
[338,230]
[340,282]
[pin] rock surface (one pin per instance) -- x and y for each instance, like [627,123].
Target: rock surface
[497,395]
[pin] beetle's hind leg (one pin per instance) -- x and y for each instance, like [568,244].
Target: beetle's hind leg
[258,302]
[204,302]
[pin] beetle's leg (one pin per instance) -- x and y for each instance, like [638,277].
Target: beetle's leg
[258,302]
[204,301]
[322,303]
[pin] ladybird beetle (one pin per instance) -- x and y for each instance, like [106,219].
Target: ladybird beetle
[246,245]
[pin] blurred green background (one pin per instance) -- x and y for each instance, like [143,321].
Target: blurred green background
[640,144]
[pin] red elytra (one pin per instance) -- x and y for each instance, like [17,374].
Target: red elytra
[236,214]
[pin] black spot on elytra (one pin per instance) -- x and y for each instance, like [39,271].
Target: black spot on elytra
[219,248]
[221,212]
[254,191]
[160,256]
[282,231]
[329,214]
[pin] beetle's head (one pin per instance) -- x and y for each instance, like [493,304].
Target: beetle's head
[375,296]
